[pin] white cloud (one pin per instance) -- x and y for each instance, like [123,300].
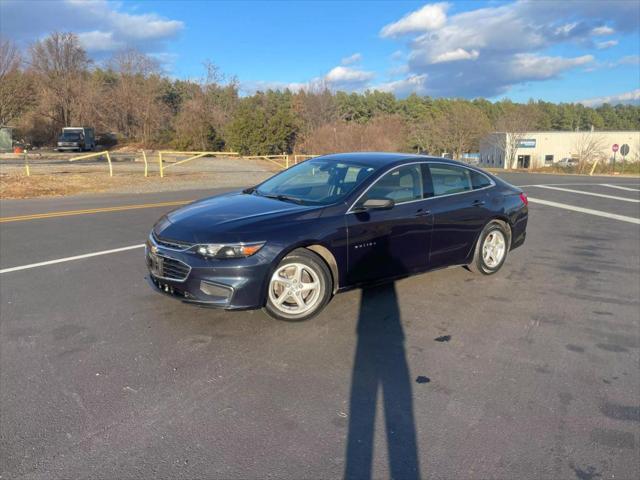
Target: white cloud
[603,30]
[535,67]
[565,30]
[338,78]
[632,97]
[429,17]
[488,50]
[629,60]
[398,55]
[405,86]
[606,44]
[342,75]
[455,55]
[351,59]
[97,41]
[398,70]
[101,25]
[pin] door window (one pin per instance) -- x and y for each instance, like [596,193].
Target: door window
[403,184]
[448,179]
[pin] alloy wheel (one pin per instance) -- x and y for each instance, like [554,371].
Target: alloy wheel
[494,248]
[295,288]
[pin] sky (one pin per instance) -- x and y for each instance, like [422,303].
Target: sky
[558,51]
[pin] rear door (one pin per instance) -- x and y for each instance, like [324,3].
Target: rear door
[393,242]
[460,209]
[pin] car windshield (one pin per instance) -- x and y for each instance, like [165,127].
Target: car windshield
[70,136]
[315,182]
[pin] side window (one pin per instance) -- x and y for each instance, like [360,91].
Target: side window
[479,180]
[448,179]
[400,185]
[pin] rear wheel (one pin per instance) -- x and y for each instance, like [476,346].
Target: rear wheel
[299,288]
[491,249]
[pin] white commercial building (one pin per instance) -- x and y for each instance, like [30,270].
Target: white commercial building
[539,149]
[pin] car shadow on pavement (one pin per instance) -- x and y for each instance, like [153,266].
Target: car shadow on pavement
[380,367]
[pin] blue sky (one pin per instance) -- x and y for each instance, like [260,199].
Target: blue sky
[550,50]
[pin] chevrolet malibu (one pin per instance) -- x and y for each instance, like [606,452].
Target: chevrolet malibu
[331,224]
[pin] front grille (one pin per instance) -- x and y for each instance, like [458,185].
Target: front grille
[174,269]
[175,244]
[168,268]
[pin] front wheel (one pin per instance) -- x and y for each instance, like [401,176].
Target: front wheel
[299,288]
[491,249]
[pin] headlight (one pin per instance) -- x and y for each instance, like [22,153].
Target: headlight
[232,250]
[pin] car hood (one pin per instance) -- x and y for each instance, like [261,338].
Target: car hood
[228,217]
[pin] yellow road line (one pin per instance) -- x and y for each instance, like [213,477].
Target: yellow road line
[90,211]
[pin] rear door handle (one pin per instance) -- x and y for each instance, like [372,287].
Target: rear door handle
[478,203]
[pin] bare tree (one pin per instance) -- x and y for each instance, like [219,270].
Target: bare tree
[202,118]
[422,136]
[589,147]
[9,57]
[385,133]
[131,62]
[59,63]
[514,122]
[16,88]
[460,128]
[137,111]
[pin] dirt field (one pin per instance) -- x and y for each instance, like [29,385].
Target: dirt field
[54,175]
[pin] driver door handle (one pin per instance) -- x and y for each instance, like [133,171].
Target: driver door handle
[478,203]
[423,213]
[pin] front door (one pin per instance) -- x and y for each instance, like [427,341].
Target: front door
[394,242]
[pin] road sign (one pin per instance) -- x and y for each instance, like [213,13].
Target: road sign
[614,147]
[624,150]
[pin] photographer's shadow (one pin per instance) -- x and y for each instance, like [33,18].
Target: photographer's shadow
[380,367]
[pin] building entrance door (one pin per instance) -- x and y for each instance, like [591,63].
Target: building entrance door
[524,161]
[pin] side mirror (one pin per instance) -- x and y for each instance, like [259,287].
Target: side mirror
[378,204]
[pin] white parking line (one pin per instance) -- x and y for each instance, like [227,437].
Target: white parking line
[574,184]
[69,259]
[601,195]
[599,213]
[619,187]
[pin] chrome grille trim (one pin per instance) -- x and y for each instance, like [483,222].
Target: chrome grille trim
[176,245]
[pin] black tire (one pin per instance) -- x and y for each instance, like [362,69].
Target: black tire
[493,230]
[311,262]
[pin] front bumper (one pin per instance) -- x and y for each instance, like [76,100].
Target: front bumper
[68,146]
[233,284]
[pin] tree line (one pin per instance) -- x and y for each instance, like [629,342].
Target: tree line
[129,98]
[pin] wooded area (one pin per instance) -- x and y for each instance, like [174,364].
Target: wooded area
[129,98]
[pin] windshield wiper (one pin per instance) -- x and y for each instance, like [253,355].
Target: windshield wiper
[282,198]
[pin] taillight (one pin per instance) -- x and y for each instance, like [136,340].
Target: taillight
[523,197]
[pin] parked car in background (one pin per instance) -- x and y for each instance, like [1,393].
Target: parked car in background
[76,138]
[567,162]
[331,224]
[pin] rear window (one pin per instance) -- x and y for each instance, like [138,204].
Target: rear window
[479,180]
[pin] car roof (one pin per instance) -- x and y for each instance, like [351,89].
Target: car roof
[379,159]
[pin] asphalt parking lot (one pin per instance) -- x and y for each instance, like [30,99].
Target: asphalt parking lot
[531,373]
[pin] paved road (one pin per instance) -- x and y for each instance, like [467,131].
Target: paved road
[531,373]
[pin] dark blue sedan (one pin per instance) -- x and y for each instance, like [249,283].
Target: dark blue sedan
[334,223]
